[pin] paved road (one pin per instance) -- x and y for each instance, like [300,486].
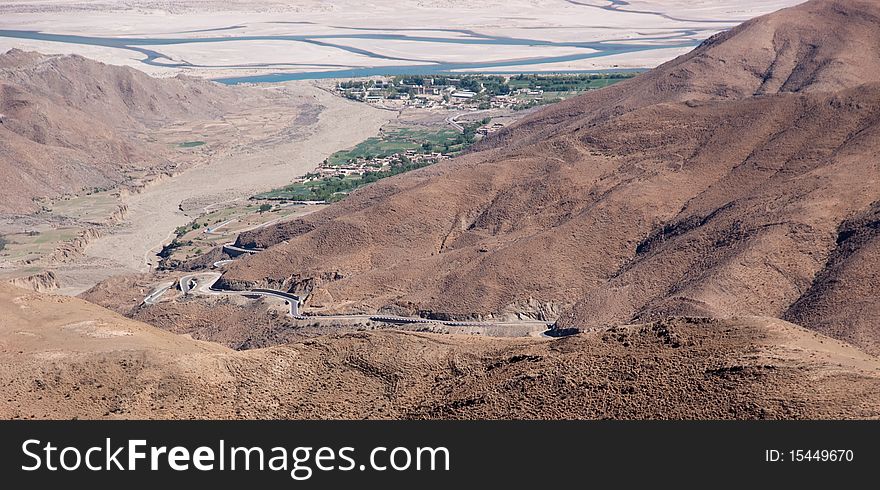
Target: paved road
[203,282]
[212,230]
[229,247]
[186,283]
[451,120]
[153,297]
[291,299]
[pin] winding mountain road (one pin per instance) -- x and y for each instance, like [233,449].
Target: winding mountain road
[202,283]
[153,297]
[238,250]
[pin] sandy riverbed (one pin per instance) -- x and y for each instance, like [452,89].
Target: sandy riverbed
[154,213]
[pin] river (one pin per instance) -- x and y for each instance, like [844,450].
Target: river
[150,48]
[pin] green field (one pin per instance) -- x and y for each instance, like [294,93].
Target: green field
[93,207]
[557,88]
[36,243]
[567,83]
[332,189]
[191,144]
[397,141]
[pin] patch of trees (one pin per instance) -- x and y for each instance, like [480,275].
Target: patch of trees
[333,189]
[167,250]
[183,230]
[567,83]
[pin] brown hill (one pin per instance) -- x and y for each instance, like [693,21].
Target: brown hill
[818,46]
[68,123]
[62,357]
[842,301]
[720,194]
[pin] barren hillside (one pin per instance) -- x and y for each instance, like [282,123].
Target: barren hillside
[818,46]
[62,357]
[842,301]
[714,185]
[68,123]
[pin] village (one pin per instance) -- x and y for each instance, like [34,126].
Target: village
[361,165]
[474,92]
[432,92]
[397,149]
[439,117]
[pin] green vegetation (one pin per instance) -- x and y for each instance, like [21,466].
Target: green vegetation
[412,84]
[190,240]
[364,84]
[490,84]
[567,83]
[34,243]
[392,144]
[333,189]
[536,90]
[400,140]
[264,207]
[167,250]
[94,206]
[183,230]
[486,87]
[191,144]
[96,190]
[528,104]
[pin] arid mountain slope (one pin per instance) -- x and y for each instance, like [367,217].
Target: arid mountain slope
[724,204]
[842,301]
[818,46]
[624,203]
[68,123]
[62,357]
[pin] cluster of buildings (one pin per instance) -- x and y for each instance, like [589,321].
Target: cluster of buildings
[489,129]
[450,94]
[362,165]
